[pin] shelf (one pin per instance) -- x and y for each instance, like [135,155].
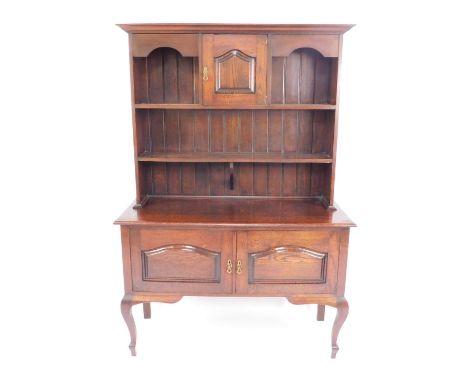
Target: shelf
[196,157]
[190,106]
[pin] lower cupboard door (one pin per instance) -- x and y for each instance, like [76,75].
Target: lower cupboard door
[282,263]
[189,262]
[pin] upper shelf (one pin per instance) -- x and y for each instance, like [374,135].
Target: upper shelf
[188,106]
[200,157]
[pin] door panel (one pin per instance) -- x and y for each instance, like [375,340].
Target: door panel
[181,263]
[234,69]
[287,262]
[290,264]
[235,73]
[187,262]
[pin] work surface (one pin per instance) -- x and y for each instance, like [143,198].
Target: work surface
[232,212]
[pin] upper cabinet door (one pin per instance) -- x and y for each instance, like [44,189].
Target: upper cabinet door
[234,69]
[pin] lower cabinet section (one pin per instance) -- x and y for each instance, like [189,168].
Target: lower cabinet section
[266,263]
[306,266]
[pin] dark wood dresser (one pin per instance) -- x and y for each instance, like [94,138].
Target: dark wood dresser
[235,131]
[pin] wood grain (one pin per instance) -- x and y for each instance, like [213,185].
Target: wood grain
[235,212]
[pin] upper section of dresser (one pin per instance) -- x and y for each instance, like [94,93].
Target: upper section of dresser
[235,109]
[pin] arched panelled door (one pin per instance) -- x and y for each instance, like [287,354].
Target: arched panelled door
[234,69]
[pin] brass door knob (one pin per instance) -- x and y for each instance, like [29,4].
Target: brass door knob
[205,73]
[229,266]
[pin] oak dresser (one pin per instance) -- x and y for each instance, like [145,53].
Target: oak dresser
[235,131]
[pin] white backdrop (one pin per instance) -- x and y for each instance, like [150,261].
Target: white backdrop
[67,173]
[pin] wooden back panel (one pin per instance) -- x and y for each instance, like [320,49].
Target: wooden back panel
[288,180]
[235,131]
[302,77]
[165,76]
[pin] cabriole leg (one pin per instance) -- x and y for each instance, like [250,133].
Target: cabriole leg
[341,314]
[126,308]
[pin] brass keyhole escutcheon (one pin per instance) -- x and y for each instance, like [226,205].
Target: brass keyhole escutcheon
[205,73]
[229,266]
[239,267]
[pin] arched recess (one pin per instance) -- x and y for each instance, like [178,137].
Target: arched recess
[305,76]
[165,76]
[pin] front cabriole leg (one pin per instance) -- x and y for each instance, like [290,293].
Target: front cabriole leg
[126,309]
[342,309]
[339,303]
[132,299]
